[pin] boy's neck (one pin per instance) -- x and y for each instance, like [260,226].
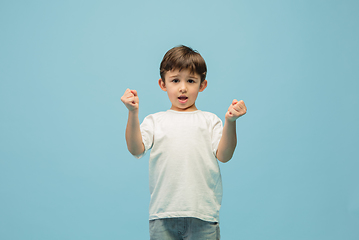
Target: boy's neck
[190,109]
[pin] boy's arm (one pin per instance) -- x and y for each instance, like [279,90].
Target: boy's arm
[228,141]
[133,132]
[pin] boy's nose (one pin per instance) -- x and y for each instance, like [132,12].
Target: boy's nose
[183,88]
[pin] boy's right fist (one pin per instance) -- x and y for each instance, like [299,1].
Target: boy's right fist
[130,99]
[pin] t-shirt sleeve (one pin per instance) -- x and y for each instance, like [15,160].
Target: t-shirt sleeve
[146,128]
[216,133]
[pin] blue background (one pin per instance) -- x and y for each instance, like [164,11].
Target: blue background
[65,172]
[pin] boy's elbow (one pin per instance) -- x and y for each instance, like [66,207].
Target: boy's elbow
[224,160]
[136,151]
[223,157]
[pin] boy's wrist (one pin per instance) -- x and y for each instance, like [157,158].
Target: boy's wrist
[230,120]
[133,112]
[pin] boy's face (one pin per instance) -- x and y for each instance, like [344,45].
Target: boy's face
[182,88]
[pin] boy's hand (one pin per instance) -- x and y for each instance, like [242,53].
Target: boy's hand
[130,99]
[237,109]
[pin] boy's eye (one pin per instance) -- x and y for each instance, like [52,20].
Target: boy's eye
[175,80]
[191,81]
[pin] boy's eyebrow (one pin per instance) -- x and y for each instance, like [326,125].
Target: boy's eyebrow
[172,76]
[193,76]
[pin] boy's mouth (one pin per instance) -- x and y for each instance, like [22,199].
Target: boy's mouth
[182,98]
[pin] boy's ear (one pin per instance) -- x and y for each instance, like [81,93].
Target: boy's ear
[203,85]
[162,85]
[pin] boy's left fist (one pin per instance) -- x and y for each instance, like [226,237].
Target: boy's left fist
[237,109]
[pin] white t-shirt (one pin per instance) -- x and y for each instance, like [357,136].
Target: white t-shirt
[184,175]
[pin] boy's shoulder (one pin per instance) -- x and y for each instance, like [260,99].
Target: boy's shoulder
[211,117]
[209,114]
[154,116]
[157,114]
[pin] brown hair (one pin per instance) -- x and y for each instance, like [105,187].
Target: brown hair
[183,57]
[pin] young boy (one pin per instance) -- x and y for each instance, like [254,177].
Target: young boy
[185,143]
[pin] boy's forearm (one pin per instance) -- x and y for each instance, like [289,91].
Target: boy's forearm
[228,141]
[133,134]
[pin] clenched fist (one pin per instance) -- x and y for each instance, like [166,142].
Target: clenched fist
[237,109]
[130,99]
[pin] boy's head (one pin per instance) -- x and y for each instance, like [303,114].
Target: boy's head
[183,73]
[183,58]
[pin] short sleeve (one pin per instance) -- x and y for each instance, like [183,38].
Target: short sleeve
[217,129]
[147,128]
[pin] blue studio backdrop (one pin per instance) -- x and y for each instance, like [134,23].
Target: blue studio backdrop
[65,172]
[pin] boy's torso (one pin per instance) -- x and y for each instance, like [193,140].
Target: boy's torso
[185,180]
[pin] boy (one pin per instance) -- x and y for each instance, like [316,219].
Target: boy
[185,180]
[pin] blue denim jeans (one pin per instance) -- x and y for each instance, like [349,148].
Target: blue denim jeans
[183,228]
